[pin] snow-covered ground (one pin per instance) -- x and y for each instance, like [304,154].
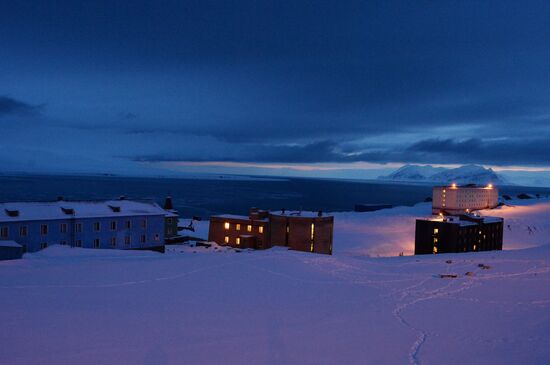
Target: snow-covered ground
[216,305]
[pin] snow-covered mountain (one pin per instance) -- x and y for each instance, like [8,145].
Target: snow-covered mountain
[468,174]
[413,173]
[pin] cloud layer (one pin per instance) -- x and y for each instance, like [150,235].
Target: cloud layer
[277,82]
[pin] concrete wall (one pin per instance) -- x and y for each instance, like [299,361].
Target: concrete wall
[10,252]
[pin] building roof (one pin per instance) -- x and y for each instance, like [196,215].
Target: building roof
[9,244]
[465,220]
[238,217]
[296,213]
[30,211]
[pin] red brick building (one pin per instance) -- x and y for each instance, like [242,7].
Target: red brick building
[302,231]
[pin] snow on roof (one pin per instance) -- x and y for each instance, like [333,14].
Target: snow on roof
[28,211]
[296,213]
[9,244]
[463,222]
[240,217]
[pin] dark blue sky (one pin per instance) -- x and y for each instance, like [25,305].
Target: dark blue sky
[241,86]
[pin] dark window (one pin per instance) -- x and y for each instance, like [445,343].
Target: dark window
[4,232]
[97,226]
[96,243]
[63,227]
[44,229]
[23,231]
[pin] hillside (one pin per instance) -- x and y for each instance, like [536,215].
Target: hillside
[468,174]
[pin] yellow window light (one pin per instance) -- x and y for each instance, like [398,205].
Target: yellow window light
[238,227]
[226,239]
[261,229]
[226,225]
[249,228]
[238,240]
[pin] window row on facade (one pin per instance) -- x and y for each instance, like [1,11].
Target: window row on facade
[113,241]
[249,228]
[64,228]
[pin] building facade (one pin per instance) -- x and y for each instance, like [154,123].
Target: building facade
[116,224]
[455,199]
[241,231]
[302,231]
[305,231]
[453,234]
[171,219]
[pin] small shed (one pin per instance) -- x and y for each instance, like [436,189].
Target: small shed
[10,250]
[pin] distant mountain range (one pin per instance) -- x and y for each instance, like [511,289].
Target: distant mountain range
[468,174]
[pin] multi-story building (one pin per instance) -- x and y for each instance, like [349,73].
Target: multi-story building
[302,231]
[464,233]
[250,231]
[117,224]
[171,219]
[455,199]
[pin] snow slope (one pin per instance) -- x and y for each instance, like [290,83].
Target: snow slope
[468,174]
[217,305]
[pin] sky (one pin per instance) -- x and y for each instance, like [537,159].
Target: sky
[308,88]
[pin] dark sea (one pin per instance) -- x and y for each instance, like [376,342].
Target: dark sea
[204,197]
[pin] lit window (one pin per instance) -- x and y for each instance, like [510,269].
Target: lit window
[261,229]
[238,240]
[226,225]
[475,247]
[435,249]
[238,227]
[226,239]
[312,231]
[249,228]
[436,230]
[436,240]
[311,247]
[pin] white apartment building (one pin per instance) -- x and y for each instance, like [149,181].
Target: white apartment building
[455,199]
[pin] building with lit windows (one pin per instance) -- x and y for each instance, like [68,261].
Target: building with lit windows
[452,234]
[302,231]
[250,231]
[115,224]
[455,199]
